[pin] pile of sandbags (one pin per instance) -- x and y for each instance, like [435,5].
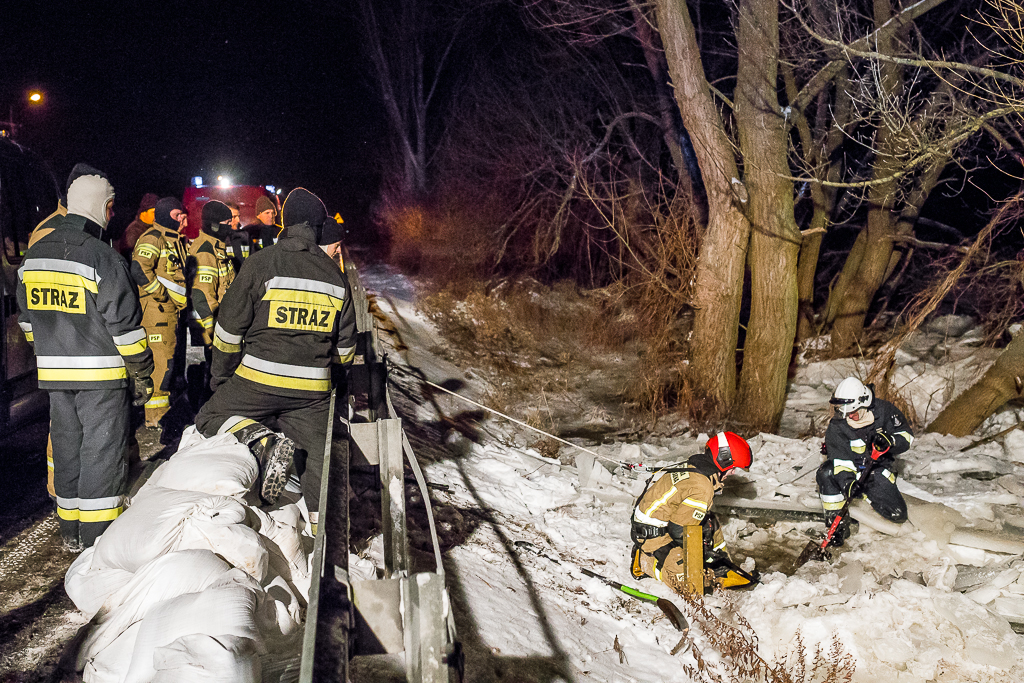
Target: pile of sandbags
[193,582]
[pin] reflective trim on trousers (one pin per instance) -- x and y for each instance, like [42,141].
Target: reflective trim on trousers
[235,423]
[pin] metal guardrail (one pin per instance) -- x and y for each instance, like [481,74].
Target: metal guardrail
[400,613]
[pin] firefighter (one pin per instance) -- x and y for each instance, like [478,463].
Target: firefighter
[681,496]
[269,232]
[862,423]
[285,330]
[238,243]
[80,310]
[211,263]
[158,269]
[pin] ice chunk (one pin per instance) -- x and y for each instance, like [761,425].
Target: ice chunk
[1011,607]
[983,595]
[989,540]
[937,522]
[950,325]
[850,576]
[796,592]
[942,576]
[1013,446]
[988,638]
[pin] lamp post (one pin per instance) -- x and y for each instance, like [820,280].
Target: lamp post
[9,128]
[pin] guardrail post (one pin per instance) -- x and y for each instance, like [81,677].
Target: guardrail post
[426,629]
[392,499]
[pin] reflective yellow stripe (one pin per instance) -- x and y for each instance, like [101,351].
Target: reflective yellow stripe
[50,277]
[159,402]
[100,515]
[206,322]
[210,270]
[67,514]
[28,337]
[347,358]
[833,506]
[219,343]
[303,297]
[132,349]
[49,462]
[81,374]
[908,436]
[858,449]
[240,425]
[284,382]
[694,503]
[661,501]
[175,297]
[152,286]
[843,466]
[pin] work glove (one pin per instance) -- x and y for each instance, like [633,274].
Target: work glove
[141,389]
[881,441]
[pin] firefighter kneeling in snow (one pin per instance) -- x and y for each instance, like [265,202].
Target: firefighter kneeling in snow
[678,497]
[862,424]
[285,329]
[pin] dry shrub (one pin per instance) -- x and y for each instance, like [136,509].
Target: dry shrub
[737,659]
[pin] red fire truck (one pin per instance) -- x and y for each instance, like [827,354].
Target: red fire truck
[245,196]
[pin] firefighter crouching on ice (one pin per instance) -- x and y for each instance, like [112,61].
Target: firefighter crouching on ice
[678,497]
[80,310]
[158,269]
[860,422]
[285,330]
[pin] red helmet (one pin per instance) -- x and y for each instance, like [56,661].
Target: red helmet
[728,450]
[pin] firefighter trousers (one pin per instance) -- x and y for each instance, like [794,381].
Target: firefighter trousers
[89,431]
[303,420]
[834,480]
[161,323]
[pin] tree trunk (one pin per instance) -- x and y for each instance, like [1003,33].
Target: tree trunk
[1001,383]
[775,239]
[718,280]
[865,276]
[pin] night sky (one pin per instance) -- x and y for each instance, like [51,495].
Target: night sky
[155,93]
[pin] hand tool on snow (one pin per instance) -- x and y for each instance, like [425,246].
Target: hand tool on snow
[817,551]
[670,610]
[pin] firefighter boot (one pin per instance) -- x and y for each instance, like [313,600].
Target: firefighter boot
[274,453]
[842,531]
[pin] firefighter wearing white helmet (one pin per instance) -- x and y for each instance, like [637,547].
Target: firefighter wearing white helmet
[680,496]
[862,422]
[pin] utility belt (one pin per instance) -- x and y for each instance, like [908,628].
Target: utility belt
[640,532]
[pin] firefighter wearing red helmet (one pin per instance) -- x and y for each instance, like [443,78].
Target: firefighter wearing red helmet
[681,496]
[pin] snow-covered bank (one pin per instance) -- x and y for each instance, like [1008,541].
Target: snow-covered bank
[893,601]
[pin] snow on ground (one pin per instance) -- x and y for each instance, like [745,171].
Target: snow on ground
[894,601]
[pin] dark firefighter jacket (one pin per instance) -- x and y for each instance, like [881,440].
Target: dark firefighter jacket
[213,275]
[80,310]
[158,266]
[287,317]
[850,446]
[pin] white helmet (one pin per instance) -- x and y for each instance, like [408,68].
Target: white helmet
[851,395]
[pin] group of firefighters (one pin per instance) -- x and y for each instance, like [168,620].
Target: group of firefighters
[278,333]
[862,440]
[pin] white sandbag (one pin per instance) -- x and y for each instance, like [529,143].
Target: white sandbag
[218,465]
[198,658]
[225,609]
[111,665]
[281,531]
[278,615]
[166,577]
[236,543]
[153,526]
[88,588]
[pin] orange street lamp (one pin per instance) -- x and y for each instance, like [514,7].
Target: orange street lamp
[35,97]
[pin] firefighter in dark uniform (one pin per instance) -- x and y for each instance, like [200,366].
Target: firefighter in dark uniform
[158,269]
[212,267]
[681,496]
[80,310]
[862,423]
[284,331]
